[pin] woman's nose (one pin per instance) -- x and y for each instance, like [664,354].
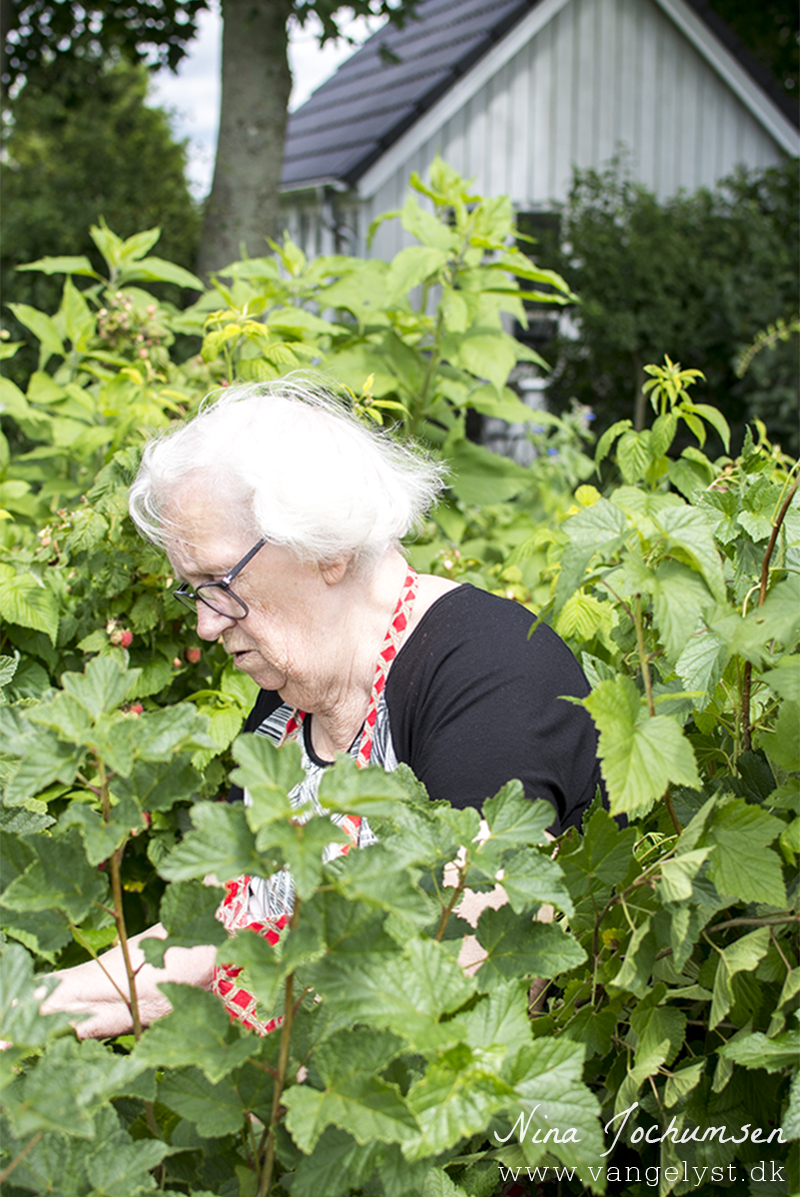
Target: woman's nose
[211,624]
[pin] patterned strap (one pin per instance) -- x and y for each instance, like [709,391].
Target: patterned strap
[239,1002]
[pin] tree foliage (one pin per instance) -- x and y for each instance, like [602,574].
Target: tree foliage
[696,277]
[666,1034]
[76,153]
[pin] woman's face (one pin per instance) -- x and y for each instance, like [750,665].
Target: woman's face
[288,640]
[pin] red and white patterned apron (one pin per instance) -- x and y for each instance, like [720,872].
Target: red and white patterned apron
[233,910]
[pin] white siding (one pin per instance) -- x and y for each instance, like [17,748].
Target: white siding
[598,76]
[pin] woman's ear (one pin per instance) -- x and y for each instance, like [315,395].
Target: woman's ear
[334,571]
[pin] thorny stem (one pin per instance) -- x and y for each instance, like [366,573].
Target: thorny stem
[283,1059]
[19,1158]
[762,594]
[644,663]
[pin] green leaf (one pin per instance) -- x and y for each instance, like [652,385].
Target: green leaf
[367,792]
[600,528]
[411,267]
[339,1165]
[741,956]
[516,944]
[60,877]
[101,839]
[123,1168]
[221,843]
[407,994]
[158,785]
[198,1032]
[102,687]
[679,599]
[455,1098]
[20,999]
[714,417]
[640,954]
[62,265]
[741,864]
[187,912]
[66,1086]
[26,602]
[607,439]
[700,664]
[215,1109]
[757,1051]
[639,756]
[604,853]
[157,270]
[268,774]
[530,879]
[514,820]
[45,760]
[634,455]
[42,327]
[355,1098]
[549,1092]
[688,530]
[785,680]
[483,477]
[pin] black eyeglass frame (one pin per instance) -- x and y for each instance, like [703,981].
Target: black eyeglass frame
[190,597]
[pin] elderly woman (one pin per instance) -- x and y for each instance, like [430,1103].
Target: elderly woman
[283,516]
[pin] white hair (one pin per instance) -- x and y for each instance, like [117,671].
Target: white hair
[291,463]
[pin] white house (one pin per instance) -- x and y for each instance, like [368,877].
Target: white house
[515,93]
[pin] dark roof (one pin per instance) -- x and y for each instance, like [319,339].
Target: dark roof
[357,114]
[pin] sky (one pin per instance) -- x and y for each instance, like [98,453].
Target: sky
[192,96]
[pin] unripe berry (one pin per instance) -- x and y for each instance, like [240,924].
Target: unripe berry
[193,655]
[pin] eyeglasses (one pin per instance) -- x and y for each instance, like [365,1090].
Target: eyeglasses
[222,599]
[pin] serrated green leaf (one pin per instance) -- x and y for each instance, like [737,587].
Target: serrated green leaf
[455,1098]
[158,785]
[100,839]
[20,1020]
[639,756]
[547,1080]
[215,1109]
[27,602]
[59,877]
[410,267]
[62,265]
[517,944]
[102,686]
[514,819]
[679,599]
[187,912]
[154,270]
[741,956]
[198,1032]
[220,843]
[338,1165]
[634,455]
[741,863]
[366,792]
[530,878]
[269,775]
[407,994]
[757,1051]
[689,531]
[354,1097]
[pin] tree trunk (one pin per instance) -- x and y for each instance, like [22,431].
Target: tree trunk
[639,399]
[242,208]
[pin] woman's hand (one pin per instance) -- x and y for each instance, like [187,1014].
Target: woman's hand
[99,988]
